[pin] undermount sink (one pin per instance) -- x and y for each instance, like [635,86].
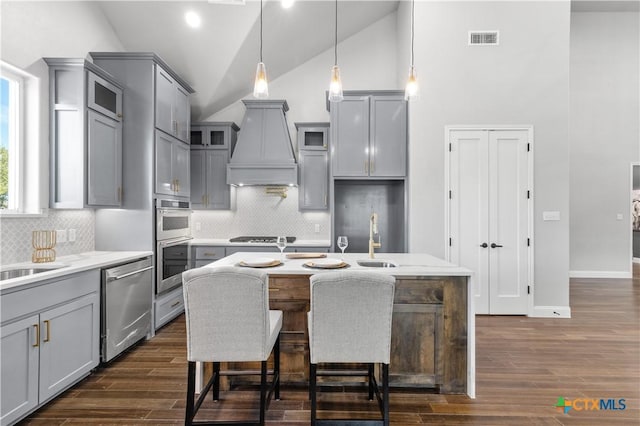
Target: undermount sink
[23,272]
[377,263]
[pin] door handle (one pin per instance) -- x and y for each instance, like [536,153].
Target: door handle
[484,245]
[494,245]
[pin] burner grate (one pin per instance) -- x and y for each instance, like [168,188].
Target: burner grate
[259,239]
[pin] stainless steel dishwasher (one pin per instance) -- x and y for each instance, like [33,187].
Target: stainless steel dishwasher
[127,293]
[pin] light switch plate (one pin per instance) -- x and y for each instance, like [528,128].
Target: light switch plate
[619,216]
[317,228]
[72,235]
[553,215]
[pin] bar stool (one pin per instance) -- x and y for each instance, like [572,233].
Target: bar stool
[350,322]
[228,320]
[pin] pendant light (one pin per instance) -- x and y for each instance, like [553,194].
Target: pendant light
[412,90]
[261,86]
[335,87]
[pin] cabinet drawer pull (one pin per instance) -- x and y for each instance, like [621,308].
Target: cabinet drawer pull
[119,115]
[373,166]
[177,185]
[204,203]
[37,343]
[48,324]
[175,304]
[119,194]
[366,166]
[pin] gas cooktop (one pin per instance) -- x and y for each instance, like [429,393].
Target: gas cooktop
[254,239]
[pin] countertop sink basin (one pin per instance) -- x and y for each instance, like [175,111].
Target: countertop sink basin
[377,263]
[23,272]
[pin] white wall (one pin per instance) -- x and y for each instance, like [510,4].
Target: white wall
[604,139]
[30,31]
[524,80]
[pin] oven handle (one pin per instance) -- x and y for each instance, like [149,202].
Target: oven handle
[119,277]
[173,242]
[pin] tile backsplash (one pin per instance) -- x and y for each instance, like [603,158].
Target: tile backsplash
[258,213]
[15,234]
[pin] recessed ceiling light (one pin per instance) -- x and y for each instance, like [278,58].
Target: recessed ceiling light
[286,4]
[193,19]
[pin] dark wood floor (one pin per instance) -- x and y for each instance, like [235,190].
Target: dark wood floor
[523,366]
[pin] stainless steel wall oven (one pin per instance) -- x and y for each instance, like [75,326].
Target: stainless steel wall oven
[173,232]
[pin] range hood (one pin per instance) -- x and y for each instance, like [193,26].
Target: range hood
[263,154]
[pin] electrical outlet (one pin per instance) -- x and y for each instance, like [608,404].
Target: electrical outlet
[317,228]
[72,235]
[61,235]
[619,216]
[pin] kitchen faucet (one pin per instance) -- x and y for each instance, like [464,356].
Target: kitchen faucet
[373,229]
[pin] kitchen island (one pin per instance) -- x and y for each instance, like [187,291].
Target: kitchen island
[433,327]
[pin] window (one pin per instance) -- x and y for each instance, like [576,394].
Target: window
[11,88]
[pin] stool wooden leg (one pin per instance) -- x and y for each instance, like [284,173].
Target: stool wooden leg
[191,389]
[263,391]
[216,382]
[312,392]
[385,393]
[276,367]
[371,382]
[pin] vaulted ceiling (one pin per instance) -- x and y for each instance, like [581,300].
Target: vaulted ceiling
[219,58]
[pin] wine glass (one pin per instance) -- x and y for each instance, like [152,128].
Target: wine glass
[343,242]
[281,242]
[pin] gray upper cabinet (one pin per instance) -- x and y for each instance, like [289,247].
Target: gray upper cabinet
[173,109]
[313,191]
[211,148]
[172,166]
[85,129]
[369,135]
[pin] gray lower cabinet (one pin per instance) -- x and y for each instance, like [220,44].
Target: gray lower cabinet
[314,180]
[172,166]
[50,340]
[203,255]
[85,135]
[369,135]
[168,306]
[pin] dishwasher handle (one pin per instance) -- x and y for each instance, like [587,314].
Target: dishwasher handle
[118,277]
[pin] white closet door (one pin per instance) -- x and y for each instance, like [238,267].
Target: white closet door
[508,222]
[488,215]
[469,220]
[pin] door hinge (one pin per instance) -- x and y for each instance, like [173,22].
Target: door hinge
[528,289]
[450,192]
[528,242]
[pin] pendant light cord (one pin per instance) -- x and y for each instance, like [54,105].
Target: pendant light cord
[335,50]
[260,30]
[413,6]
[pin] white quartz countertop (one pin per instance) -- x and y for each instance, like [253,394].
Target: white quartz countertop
[65,265]
[409,264]
[225,242]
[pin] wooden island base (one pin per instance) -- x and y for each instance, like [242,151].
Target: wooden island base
[428,338]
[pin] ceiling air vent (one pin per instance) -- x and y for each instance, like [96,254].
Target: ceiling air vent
[483,38]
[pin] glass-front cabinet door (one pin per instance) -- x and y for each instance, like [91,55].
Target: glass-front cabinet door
[104,97]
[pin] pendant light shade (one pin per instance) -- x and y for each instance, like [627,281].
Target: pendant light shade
[335,87]
[261,85]
[412,90]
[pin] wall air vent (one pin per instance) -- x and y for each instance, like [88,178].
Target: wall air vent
[483,38]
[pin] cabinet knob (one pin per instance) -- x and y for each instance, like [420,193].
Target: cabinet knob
[119,115]
[484,245]
[494,245]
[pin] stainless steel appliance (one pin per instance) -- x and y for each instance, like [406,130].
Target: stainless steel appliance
[125,306]
[254,239]
[173,232]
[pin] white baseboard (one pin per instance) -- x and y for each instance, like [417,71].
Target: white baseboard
[600,274]
[551,312]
